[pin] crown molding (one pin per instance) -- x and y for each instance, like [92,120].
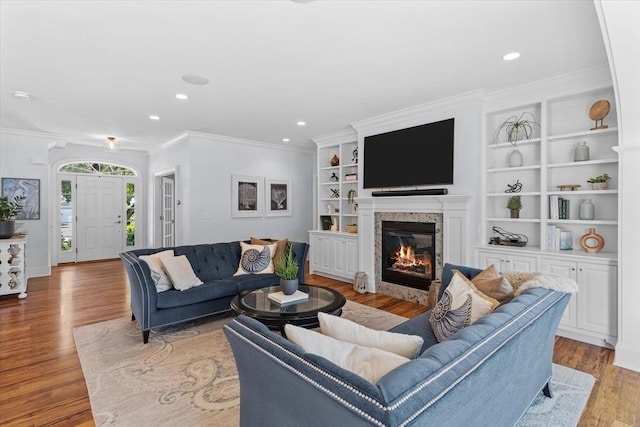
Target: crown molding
[589,79]
[417,113]
[339,137]
[232,140]
[60,138]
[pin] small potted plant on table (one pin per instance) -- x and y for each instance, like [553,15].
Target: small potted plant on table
[286,268]
[8,211]
[600,182]
[514,204]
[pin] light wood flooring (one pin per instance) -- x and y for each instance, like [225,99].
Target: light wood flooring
[41,381]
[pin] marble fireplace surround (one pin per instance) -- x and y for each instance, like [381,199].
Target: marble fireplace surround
[449,212]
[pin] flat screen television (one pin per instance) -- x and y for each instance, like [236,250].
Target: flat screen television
[420,155]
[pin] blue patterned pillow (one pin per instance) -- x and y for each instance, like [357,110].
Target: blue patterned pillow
[256,259]
[460,306]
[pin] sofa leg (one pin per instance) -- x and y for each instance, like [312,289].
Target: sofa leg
[133,316]
[547,390]
[145,336]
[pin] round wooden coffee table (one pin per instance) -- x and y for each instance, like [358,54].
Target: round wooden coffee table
[257,304]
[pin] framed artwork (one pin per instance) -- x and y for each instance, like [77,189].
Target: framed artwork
[247,196]
[30,189]
[278,196]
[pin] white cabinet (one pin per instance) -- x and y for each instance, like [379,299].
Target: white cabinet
[504,261]
[333,254]
[13,275]
[592,314]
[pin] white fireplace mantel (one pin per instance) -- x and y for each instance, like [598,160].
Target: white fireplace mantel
[454,209]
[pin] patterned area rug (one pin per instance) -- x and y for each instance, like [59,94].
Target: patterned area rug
[186,374]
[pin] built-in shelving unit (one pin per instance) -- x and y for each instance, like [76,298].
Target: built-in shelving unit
[334,251]
[548,162]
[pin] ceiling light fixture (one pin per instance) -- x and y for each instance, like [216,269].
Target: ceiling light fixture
[511,56]
[301,123]
[182,96]
[111,145]
[21,95]
[154,117]
[285,140]
[195,80]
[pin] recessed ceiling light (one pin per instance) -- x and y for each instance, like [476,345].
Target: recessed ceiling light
[154,117]
[182,96]
[285,140]
[301,123]
[511,56]
[195,80]
[21,94]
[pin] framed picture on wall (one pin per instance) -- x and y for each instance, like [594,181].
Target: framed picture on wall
[27,188]
[247,196]
[278,196]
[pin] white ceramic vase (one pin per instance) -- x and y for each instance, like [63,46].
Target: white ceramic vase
[515,158]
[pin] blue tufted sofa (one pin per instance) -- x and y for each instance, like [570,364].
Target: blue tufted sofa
[214,264]
[487,374]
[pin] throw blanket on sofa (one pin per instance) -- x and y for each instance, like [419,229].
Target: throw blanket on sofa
[523,281]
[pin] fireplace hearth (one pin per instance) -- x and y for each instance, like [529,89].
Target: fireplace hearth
[407,253]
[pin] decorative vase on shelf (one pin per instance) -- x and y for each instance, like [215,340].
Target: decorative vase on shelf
[587,211]
[581,152]
[515,158]
[335,161]
[592,236]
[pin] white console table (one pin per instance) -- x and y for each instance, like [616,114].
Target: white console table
[13,276]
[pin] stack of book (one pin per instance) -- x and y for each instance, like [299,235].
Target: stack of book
[558,207]
[558,239]
[282,299]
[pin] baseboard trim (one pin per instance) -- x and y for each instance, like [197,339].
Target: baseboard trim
[628,358]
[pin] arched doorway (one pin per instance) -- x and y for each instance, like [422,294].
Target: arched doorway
[97,211]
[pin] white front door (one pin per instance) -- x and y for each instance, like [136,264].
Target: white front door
[100,217]
[168,214]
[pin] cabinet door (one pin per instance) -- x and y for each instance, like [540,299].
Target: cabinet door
[340,256]
[315,250]
[521,263]
[564,269]
[487,258]
[597,299]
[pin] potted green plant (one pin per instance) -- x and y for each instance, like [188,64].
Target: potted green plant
[517,128]
[514,204]
[8,211]
[600,182]
[286,268]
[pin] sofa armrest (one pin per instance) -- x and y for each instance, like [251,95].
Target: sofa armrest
[144,295]
[300,251]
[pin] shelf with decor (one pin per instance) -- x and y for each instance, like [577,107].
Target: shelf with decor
[572,147]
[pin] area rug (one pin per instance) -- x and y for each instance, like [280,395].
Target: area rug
[186,374]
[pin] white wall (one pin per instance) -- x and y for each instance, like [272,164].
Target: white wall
[621,33]
[206,164]
[25,155]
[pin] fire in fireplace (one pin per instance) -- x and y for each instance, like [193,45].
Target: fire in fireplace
[408,250]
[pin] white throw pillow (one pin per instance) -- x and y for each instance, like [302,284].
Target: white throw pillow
[370,363]
[160,278]
[256,259]
[408,346]
[180,271]
[461,305]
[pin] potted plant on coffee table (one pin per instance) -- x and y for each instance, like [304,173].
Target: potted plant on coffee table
[286,268]
[8,211]
[514,204]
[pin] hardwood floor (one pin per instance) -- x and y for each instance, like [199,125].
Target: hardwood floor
[41,381]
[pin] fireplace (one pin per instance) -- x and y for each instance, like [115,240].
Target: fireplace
[407,255]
